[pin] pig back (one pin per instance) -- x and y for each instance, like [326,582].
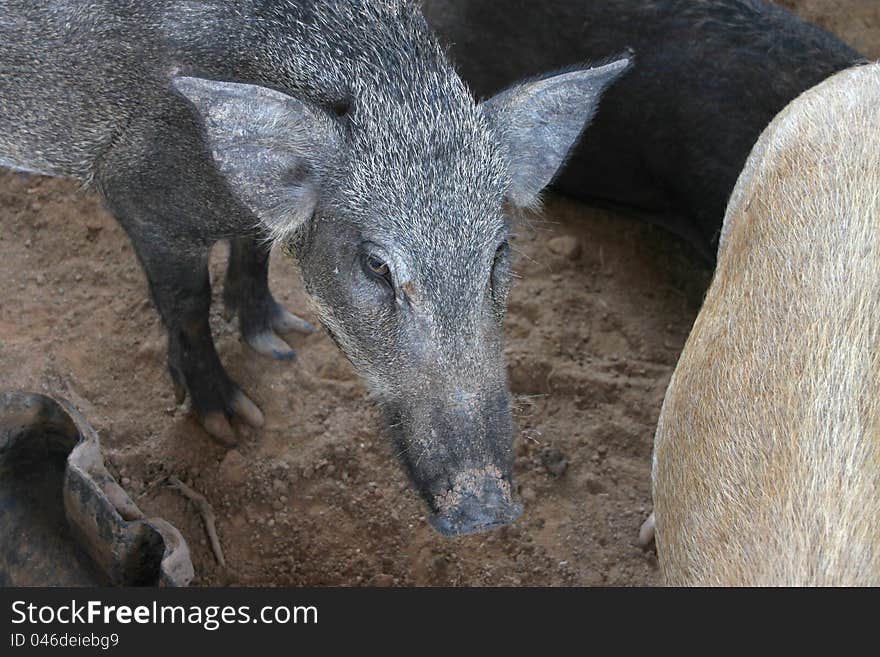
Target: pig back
[767,452]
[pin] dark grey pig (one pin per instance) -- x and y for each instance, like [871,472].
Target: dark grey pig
[669,140]
[339,130]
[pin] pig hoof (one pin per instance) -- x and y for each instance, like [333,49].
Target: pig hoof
[269,344]
[646,532]
[247,410]
[177,383]
[179,390]
[218,426]
[286,322]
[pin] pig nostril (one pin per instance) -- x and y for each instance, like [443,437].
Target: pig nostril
[483,521]
[475,515]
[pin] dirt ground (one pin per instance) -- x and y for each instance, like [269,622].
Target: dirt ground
[855,21]
[316,498]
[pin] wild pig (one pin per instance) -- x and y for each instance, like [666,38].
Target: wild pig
[767,454]
[339,130]
[670,139]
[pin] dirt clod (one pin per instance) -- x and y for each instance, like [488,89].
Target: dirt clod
[555,462]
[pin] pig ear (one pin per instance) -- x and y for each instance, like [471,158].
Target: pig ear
[269,146]
[540,122]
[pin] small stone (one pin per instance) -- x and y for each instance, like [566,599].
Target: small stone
[528,494]
[566,246]
[92,230]
[382,580]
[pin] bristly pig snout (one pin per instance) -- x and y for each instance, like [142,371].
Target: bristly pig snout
[480,500]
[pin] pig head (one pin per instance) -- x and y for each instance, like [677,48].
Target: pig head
[394,207]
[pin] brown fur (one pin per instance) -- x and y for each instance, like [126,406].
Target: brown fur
[767,454]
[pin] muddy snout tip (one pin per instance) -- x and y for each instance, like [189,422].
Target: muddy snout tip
[475,506]
[476,520]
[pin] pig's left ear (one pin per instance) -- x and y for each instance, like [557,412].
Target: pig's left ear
[540,122]
[269,146]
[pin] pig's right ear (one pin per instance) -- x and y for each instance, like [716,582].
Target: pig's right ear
[268,145]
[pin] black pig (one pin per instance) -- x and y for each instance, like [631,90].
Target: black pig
[670,139]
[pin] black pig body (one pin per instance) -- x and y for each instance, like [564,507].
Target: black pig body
[669,140]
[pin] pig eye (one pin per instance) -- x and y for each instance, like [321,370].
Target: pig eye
[378,268]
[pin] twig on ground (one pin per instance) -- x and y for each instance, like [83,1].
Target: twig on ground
[206,511]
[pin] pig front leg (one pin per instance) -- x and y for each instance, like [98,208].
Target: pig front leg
[246,293]
[177,273]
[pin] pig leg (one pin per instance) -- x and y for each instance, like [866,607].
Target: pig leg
[174,207]
[246,292]
[181,290]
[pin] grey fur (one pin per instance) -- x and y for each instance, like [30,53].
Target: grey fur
[339,129]
[550,112]
[268,145]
